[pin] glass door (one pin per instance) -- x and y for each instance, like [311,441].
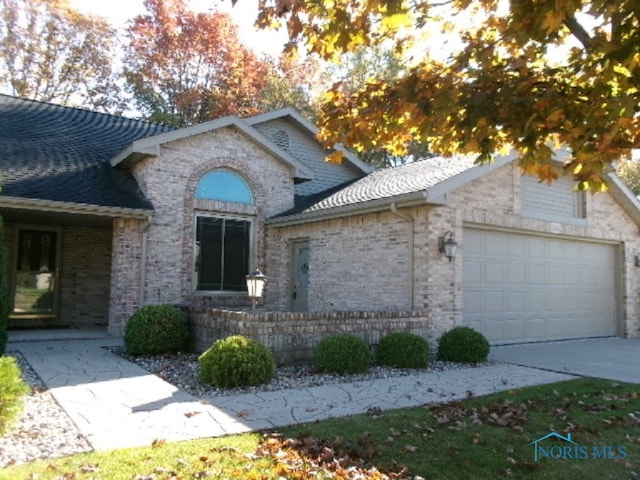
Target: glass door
[36,274]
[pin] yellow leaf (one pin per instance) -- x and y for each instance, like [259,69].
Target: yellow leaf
[397,21]
[335,157]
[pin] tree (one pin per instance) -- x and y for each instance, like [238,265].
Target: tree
[290,83]
[184,67]
[629,171]
[532,76]
[355,70]
[50,52]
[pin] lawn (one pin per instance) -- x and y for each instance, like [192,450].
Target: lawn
[479,438]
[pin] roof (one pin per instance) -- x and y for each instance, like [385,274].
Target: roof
[423,181]
[427,181]
[55,155]
[150,146]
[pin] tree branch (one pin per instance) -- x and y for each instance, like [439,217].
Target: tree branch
[578,31]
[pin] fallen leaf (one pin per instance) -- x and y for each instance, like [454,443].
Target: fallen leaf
[158,442]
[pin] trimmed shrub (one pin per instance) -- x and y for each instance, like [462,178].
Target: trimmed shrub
[236,361]
[342,353]
[12,389]
[463,344]
[403,350]
[156,329]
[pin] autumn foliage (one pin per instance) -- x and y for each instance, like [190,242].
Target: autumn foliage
[529,75]
[184,67]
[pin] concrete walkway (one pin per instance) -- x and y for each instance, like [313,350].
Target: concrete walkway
[117,404]
[613,358]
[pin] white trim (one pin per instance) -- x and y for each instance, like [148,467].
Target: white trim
[150,146]
[72,208]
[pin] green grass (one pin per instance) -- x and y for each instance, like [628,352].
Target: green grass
[479,438]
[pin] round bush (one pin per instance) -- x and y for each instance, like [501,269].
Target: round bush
[236,361]
[156,329]
[342,353]
[463,344]
[12,389]
[403,350]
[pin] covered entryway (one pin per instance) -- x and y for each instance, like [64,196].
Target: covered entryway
[521,287]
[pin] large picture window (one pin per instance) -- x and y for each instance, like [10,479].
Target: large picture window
[223,247]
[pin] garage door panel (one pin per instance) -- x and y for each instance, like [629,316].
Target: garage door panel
[537,287]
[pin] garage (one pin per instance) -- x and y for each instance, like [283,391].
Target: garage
[521,287]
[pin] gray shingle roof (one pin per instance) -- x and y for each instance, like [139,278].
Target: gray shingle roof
[386,183]
[56,153]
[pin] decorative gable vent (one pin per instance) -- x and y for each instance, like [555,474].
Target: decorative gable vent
[281,138]
[557,202]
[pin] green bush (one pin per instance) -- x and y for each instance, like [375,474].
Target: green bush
[236,361]
[342,353]
[463,344]
[403,350]
[12,389]
[156,329]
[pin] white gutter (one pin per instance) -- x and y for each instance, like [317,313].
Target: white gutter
[70,207]
[410,222]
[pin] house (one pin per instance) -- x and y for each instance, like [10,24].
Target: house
[105,214]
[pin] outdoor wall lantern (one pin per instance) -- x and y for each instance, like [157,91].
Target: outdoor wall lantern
[447,245]
[255,286]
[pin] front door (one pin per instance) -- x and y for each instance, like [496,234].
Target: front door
[300,276]
[36,274]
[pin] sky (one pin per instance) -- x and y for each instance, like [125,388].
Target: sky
[244,13]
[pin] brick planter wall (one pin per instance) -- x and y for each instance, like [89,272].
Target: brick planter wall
[292,337]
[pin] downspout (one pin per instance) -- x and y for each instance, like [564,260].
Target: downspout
[143,263]
[410,221]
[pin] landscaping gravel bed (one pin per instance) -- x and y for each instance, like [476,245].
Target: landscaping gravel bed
[45,431]
[181,370]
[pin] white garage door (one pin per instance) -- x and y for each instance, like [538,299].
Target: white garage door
[520,287]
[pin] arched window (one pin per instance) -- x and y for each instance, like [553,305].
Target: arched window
[224,186]
[223,242]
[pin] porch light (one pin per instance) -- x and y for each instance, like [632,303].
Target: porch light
[447,245]
[255,286]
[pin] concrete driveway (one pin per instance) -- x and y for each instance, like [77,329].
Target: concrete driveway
[613,358]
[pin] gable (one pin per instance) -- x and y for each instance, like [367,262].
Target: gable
[302,145]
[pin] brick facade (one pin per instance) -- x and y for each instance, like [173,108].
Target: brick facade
[361,262]
[293,337]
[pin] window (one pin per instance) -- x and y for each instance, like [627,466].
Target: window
[223,247]
[223,238]
[224,186]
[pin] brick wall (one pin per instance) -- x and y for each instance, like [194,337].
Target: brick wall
[372,249]
[292,337]
[85,275]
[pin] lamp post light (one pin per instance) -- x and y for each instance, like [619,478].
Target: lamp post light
[447,245]
[255,286]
